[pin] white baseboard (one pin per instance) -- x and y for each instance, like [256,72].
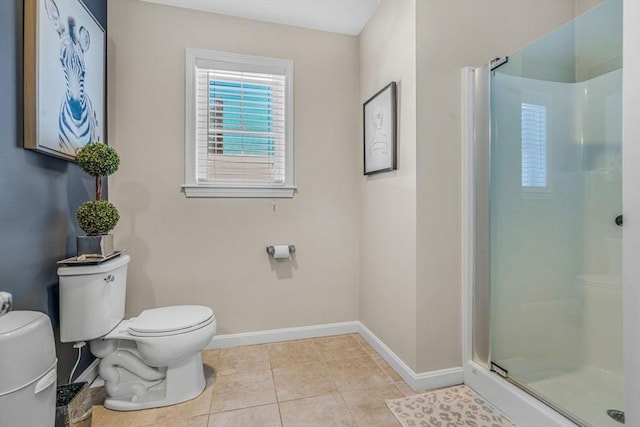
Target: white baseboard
[286,334]
[520,407]
[418,382]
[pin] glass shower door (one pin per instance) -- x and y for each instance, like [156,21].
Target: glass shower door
[555,218]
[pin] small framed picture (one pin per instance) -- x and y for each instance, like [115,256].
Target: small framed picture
[64,77]
[380,131]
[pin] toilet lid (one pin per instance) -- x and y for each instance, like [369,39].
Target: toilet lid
[170,320]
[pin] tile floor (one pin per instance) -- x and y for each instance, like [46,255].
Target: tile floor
[329,381]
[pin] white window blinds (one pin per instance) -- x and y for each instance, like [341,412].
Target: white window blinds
[239,116]
[240,126]
[534,145]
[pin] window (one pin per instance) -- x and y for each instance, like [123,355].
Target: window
[239,126]
[534,146]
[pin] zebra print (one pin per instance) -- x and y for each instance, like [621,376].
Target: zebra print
[77,120]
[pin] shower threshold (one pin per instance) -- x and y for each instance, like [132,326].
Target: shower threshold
[585,395]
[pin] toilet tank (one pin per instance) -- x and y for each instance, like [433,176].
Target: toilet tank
[92,298]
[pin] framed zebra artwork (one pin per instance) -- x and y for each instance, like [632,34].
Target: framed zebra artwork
[64,77]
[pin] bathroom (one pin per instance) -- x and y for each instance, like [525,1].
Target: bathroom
[385,250]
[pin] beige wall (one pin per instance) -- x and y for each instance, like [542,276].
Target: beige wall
[388,200]
[212,251]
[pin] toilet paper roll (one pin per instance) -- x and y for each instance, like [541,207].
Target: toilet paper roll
[280,251]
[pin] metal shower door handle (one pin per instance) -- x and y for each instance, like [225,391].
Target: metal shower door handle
[618,220]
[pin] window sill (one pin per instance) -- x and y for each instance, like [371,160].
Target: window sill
[238,192]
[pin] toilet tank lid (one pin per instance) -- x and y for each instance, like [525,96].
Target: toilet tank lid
[18,319]
[169,319]
[105,267]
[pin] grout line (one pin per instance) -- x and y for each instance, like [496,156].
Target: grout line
[215,379]
[134,422]
[353,417]
[273,379]
[398,387]
[374,359]
[280,414]
[275,390]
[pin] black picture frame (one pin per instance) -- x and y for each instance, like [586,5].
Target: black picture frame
[380,131]
[60,117]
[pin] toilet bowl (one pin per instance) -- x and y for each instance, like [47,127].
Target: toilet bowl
[165,335]
[148,361]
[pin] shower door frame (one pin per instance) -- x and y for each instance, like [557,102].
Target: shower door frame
[521,407]
[631,208]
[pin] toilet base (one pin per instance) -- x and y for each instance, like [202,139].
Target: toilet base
[184,381]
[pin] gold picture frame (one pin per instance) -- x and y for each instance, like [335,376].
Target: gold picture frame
[64,77]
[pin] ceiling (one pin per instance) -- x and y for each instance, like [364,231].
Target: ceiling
[337,16]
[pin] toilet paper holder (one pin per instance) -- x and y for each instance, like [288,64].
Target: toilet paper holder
[271,250]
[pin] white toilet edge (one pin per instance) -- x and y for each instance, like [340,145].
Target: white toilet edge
[122,331]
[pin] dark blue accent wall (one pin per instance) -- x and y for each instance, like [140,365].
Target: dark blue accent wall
[39,194]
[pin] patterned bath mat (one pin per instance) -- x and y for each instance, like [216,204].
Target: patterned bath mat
[455,406]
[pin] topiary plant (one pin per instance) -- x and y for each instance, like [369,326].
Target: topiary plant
[98,216]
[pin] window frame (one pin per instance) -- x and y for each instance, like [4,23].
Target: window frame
[544,109]
[543,99]
[192,186]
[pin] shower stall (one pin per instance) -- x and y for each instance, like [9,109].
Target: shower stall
[547,265]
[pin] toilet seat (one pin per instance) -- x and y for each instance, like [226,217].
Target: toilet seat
[165,321]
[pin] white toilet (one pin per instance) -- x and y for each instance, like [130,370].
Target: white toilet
[148,361]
